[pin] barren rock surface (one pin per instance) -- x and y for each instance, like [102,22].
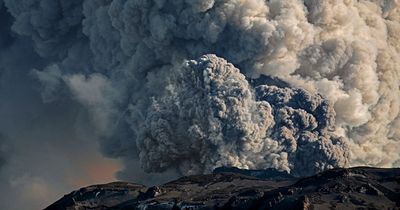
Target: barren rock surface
[229,188]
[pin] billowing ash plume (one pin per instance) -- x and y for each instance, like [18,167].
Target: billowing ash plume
[134,65]
[210,116]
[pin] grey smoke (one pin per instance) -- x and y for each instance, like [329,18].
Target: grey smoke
[134,67]
[210,116]
[134,46]
[45,148]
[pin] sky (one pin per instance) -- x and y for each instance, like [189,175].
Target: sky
[148,91]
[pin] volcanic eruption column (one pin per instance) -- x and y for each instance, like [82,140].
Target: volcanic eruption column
[176,84]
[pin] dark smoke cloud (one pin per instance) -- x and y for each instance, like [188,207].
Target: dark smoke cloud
[210,116]
[46,149]
[134,68]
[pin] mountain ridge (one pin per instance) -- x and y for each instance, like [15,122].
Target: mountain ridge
[231,188]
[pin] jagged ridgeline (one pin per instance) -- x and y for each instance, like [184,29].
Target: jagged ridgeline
[354,188]
[170,83]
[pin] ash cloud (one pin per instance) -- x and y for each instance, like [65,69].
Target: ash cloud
[210,116]
[47,148]
[135,67]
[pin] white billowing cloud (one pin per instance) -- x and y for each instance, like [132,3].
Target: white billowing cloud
[97,93]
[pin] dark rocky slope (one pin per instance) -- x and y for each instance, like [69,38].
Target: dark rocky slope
[355,188]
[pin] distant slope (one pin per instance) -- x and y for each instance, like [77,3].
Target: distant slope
[355,188]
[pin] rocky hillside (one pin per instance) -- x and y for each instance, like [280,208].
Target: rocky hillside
[229,188]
